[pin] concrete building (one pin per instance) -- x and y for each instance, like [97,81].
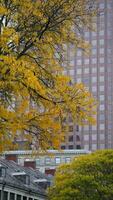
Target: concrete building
[45,162]
[20,183]
[96,72]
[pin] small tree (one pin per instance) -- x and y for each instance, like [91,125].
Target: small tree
[86,178]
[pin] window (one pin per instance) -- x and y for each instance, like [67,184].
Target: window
[12,196]
[24,198]
[86,128]
[94,128]
[79,53]
[101,50]
[102,117]
[94,69]
[94,146]
[101,78]
[101,69]
[47,160]
[101,32]
[77,128]
[101,97]
[86,70]
[102,107]
[78,146]
[67,160]
[94,79]
[63,147]
[79,62]
[86,137]
[86,61]
[18,197]
[79,80]
[70,128]
[71,72]
[102,126]
[94,137]
[38,161]
[101,42]
[57,160]
[71,138]
[72,62]
[102,88]
[79,71]
[94,60]
[101,5]
[94,89]
[70,146]
[102,136]
[101,60]
[94,51]
[94,42]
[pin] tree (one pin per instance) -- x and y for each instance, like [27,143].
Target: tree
[34,95]
[86,178]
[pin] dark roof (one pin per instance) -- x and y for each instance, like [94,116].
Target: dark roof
[10,179]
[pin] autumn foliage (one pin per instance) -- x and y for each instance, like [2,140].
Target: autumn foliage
[34,95]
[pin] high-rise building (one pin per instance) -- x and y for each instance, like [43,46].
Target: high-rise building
[96,72]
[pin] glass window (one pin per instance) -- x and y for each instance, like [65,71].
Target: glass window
[101,78]
[101,5]
[94,42]
[94,146]
[63,147]
[57,160]
[101,42]
[94,137]
[101,32]
[94,69]
[86,128]
[72,62]
[94,89]
[78,146]
[79,53]
[94,128]
[102,126]
[86,70]
[24,198]
[86,137]
[47,160]
[86,61]
[94,79]
[71,138]
[12,196]
[101,69]
[79,80]
[38,161]
[101,60]
[94,51]
[71,71]
[101,88]
[70,128]
[67,160]
[77,138]
[102,117]
[102,97]
[79,62]
[70,146]
[79,71]
[102,107]
[101,50]
[18,197]
[94,60]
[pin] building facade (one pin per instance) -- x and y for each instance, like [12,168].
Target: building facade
[45,162]
[96,72]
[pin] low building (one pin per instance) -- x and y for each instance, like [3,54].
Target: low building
[46,162]
[20,183]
